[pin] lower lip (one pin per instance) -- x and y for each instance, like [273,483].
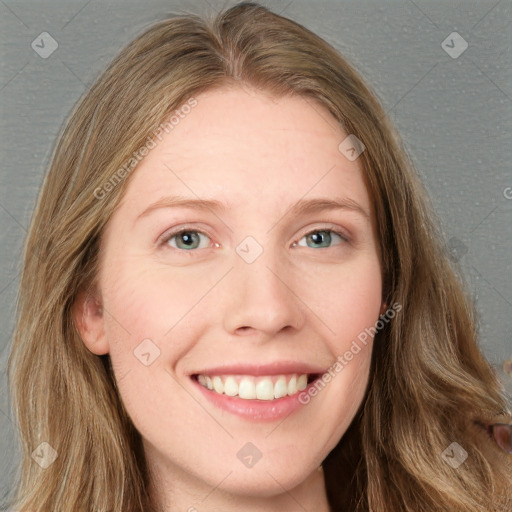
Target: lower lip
[254,410]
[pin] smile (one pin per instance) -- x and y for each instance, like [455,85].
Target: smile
[249,387]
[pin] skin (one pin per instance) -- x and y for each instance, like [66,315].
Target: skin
[207,306]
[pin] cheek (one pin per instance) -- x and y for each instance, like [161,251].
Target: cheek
[345,299]
[146,301]
[141,307]
[153,316]
[349,304]
[337,398]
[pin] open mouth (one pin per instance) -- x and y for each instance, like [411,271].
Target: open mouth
[249,387]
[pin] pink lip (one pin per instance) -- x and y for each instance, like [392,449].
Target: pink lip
[253,410]
[276,368]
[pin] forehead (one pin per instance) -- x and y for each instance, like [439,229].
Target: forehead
[240,144]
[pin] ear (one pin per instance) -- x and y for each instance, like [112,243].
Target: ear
[383,308]
[87,312]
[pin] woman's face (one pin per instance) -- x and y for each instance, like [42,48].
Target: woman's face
[267,284]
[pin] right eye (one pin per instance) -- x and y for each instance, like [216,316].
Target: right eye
[186,239]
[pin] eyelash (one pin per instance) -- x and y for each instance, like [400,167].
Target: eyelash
[164,240]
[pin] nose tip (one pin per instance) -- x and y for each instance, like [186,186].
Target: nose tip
[260,300]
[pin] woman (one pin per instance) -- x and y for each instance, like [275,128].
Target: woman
[256,370]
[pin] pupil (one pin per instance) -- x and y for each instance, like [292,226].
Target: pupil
[317,237]
[187,238]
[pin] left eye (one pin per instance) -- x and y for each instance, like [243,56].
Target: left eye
[321,238]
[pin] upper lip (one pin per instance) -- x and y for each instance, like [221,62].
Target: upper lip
[274,368]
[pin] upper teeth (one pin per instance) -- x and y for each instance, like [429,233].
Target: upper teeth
[249,387]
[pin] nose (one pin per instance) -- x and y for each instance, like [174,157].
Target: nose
[260,298]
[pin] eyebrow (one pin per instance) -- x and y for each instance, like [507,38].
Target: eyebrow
[302,207]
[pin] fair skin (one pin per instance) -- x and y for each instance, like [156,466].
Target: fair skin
[302,301]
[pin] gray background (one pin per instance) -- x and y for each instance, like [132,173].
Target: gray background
[453,113]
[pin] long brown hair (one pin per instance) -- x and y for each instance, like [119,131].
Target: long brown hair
[429,383]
